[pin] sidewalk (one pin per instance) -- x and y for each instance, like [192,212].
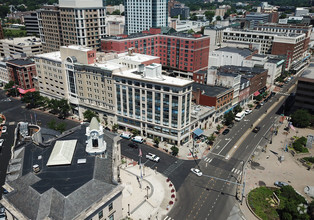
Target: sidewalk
[266,167]
[135,203]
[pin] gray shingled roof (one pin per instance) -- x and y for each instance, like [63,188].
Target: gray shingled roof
[59,199]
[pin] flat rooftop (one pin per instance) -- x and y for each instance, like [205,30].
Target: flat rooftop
[51,56]
[245,52]
[165,80]
[136,57]
[209,90]
[21,62]
[22,41]
[309,72]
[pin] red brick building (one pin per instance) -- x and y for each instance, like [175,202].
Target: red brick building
[22,72]
[178,51]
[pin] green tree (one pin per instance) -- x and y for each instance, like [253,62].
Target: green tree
[218,127]
[229,117]
[218,18]
[301,118]
[33,99]
[135,132]
[115,128]
[64,108]
[259,97]
[116,12]
[52,124]
[211,139]
[209,15]
[237,109]
[191,31]
[4,10]
[193,18]
[156,141]
[9,85]
[61,127]
[174,150]
[88,115]
[282,16]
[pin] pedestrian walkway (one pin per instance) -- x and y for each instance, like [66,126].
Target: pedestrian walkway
[148,197]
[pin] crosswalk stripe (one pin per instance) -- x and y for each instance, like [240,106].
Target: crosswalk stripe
[238,171]
[210,160]
[232,169]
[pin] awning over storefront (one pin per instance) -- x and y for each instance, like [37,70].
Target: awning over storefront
[23,91]
[256,93]
[198,132]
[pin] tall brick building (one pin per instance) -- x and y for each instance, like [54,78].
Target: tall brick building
[178,51]
[22,72]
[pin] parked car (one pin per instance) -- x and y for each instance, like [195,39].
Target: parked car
[262,103]
[231,125]
[226,131]
[1,142]
[3,216]
[256,129]
[4,129]
[258,106]
[2,209]
[248,111]
[280,184]
[152,157]
[196,171]
[125,136]
[138,139]
[133,145]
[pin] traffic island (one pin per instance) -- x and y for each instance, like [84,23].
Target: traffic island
[276,203]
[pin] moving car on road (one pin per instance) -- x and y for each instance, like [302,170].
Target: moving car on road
[196,171]
[256,129]
[280,184]
[152,157]
[133,145]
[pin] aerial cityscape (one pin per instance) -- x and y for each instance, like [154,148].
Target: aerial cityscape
[156,109]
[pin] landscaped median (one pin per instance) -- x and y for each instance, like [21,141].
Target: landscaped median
[277,203]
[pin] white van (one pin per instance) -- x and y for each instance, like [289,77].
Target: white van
[138,139]
[125,136]
[239,116]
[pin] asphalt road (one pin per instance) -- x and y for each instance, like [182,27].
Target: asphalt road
[208,197]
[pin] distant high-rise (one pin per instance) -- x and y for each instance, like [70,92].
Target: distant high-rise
[141,15]
[76,22]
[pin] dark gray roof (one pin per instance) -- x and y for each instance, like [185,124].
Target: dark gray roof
[248,72]
[209,90]
[202,72]
[21,62]
[245,52]
[62,192]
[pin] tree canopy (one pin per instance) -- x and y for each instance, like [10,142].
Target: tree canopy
[301,118]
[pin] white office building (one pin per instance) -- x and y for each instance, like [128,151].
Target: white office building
[154,104]
[141,15]
[27,46]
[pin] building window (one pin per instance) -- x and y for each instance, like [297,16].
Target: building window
[111,217]
[110,207]
[100,214]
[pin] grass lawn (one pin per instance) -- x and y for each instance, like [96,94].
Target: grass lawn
[10,32]
[259,200]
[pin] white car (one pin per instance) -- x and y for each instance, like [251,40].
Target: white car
[152,157]
[1,142]
[196,171]
[248,111]
[4,129]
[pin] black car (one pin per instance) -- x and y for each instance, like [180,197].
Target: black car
[258,106]
[256,129]
[226,131]
[133,145]
[230,126]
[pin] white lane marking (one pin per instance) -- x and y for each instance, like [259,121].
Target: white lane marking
[224,146]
